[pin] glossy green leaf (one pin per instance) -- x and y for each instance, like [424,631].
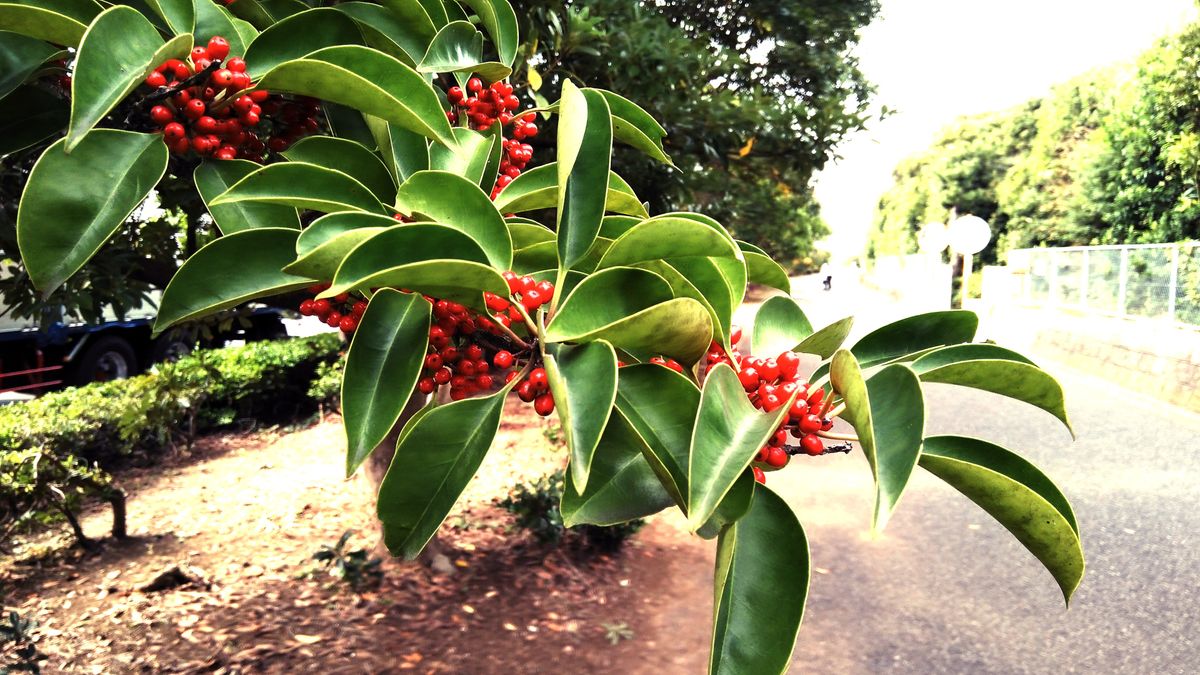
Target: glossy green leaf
[721,280]
[584,153]
[1018,495]
[245,31]
[214,177]
[214,19]
[382,366]
[302,185]
[458,48]
[756,621]
[914,334]
[828,340]
[423,17]
[527,232]
[348,157]
[456,202]
[761,269]
[735,505]
[498,18]
[73,203]
[257,14]
[536,257]
[228,271]
[583,379]
[436,456]
[421,256]
[118,51]
[30,115]
[636,127]
[661,405]
[61,22]
[404,152]
[683,287]
[614,226]
[20,57]
[323,261]
[180,15]
[944,356]
[888,413]
[331,226]
[369,81]
[538,189]
[346,122]
[780,325]
[666,237]
[633,309]
[1020,381]
[729,431]
[469,159]
[622,485]
[298,35]
[282,9]
[389,33]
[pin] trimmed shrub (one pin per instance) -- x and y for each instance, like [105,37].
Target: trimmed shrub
[535,506]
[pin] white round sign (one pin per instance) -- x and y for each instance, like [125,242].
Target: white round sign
[969,234]
[933,238]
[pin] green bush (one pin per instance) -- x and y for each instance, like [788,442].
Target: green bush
[55,450]
[536,507]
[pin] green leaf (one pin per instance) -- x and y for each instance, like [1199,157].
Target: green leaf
[427,257]
[431,12]
[527,232]
[302,185]
[458,48]
[323,261]
[349,158]
[888,412]
[621,487]
[73,203]
[633,309]
[536,257]
[298,35]
[761,585]
[436,456]
[584,152]
[404,152]
[1018,495]
[229,271]
[61,22]
[118,51]
[779,326]
[282,9]
[828,340]
[214,177]
[180,15]
[30,115]
[382,366]
[469,159]
[683,287]
[612,226]
[456,202]
[667,237]
[728,433]
[498,18]
[761,269]
[391,34]
[20,57]
[661,405]
[213,19]
[721,280]
[246,31]
[944,356]
[1020,381]
[583,379]
[537,189]
[914,334]
[329,227]
[636,127]
[735,505]
[369,81]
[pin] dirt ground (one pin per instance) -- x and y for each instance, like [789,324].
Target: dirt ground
[243,515]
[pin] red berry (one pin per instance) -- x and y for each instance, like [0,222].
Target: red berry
[156,79]
[475,85]
[528,283]
[306,308]
[799,409]
[322,307]
[779,439]
[816,397]
[735,335]
[348,324]
[466,367]
[333,319]
[236,64]
[777,458]
[426,385]
[503,359]
[194,109]
[789,364]
[525,391]
[358,309]
[514,282]
[174,131]
[433,361]
[771,402]
[222,77]
[538,379]
[810,423]
[533,299]
[474,352]
[484,381]
[205,124]
[812,444]
[199,52]
[769,370]
[218,47]
[759,476]
[544,404]
[749,378]
[442,375]
[161,114]
[450,355]
[455,94]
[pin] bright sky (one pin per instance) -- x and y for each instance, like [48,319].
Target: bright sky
[934,60]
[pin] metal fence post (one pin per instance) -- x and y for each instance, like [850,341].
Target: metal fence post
[1173,285]
[1123,281]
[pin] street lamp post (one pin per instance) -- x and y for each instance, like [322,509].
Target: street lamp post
[968,236]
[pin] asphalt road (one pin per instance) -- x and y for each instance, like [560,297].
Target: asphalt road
[948,590]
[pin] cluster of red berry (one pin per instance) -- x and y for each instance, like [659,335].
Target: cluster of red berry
[342,312]
[771,383]
[207,109]
[460,353]
[481,107]
[533,293]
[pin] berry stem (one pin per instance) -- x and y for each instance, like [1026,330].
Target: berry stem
[197,78]
[837,437]
[513,336]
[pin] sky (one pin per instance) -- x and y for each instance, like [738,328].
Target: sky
[935,60]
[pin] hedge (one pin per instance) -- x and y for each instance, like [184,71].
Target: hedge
[57,449]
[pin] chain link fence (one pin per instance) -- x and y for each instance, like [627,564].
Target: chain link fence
[1159,281]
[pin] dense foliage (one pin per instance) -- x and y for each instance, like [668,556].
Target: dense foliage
[1112,156]
[377,157]
[54,449]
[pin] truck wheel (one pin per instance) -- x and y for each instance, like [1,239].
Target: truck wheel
[108,358]
[171,347]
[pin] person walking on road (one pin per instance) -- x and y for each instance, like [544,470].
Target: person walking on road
[827,275]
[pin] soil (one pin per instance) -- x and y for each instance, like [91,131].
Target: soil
[226,537]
